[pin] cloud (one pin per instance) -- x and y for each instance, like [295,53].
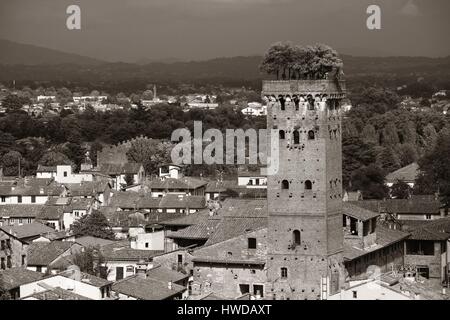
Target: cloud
[410,9]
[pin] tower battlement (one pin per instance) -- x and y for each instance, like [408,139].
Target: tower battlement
[333,88]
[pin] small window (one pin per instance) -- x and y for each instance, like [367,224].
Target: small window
[284,185]
[146,244]
[282,135]
[428,216]
[296,237]
[252,243]
[296,137]
[65,173]
[3,199]
[355,294]
[282,103]
[308,185]
[19,199]
[258,289]
[180,258]
[33,199]
[244,288]
[284,273]
[24,259]
[311,135]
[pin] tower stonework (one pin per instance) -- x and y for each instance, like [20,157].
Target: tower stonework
[305,250]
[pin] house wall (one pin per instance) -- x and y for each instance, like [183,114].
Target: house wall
[131,265]
[39,199]
[70,217]
[154,241]
[368,291]
[384,258]
[434,262]
[16,251]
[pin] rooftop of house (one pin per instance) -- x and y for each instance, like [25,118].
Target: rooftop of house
[384,237]
[147,288]
[86,188]
[118,169]
[122,251]
[201,231]
[28,230]
[220,186]
[90,241]
[406,174]
[42,168]
[413,205]
[356,212]
[190,219]
[184,183]
[140,200]
[51,213]
[31,187]
[44,253]
[15,277]
[436,230]
[85,278]
[56,293]
[20,210]
[165,274]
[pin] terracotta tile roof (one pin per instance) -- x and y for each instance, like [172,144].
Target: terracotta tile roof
[137,200]
[86,188]
[28,230]
[86,278]
[356,212]
[385,237]
[406,174]
[15,277]
[146,289]
[215,186]
[51,213]
[190,219]
[201,231]
[121,251]
[435,230]
[42,168]
[164,274]
[44,253]
[89,241]
[56,294]
[230,227]
[184,183]
[118,169]
[414,205]
[21,210]
[33,187]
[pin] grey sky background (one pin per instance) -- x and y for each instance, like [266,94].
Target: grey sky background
[119,30]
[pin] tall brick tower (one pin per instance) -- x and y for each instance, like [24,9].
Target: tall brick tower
[304,259]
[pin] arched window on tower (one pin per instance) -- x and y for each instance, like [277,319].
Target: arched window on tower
[311,103]
[281,133]
[311,135]
[297,103]
[296,239]
[296,137]
[308,185]
[283,273]
[282,102]
[285,185]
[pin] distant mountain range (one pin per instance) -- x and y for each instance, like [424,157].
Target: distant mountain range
[13,53]
[28,62]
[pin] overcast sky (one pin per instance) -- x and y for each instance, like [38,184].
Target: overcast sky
[119,30]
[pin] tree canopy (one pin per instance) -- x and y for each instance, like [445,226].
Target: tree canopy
[95,225]
[310,62]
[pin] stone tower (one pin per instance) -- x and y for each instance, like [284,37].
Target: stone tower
[304,259]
